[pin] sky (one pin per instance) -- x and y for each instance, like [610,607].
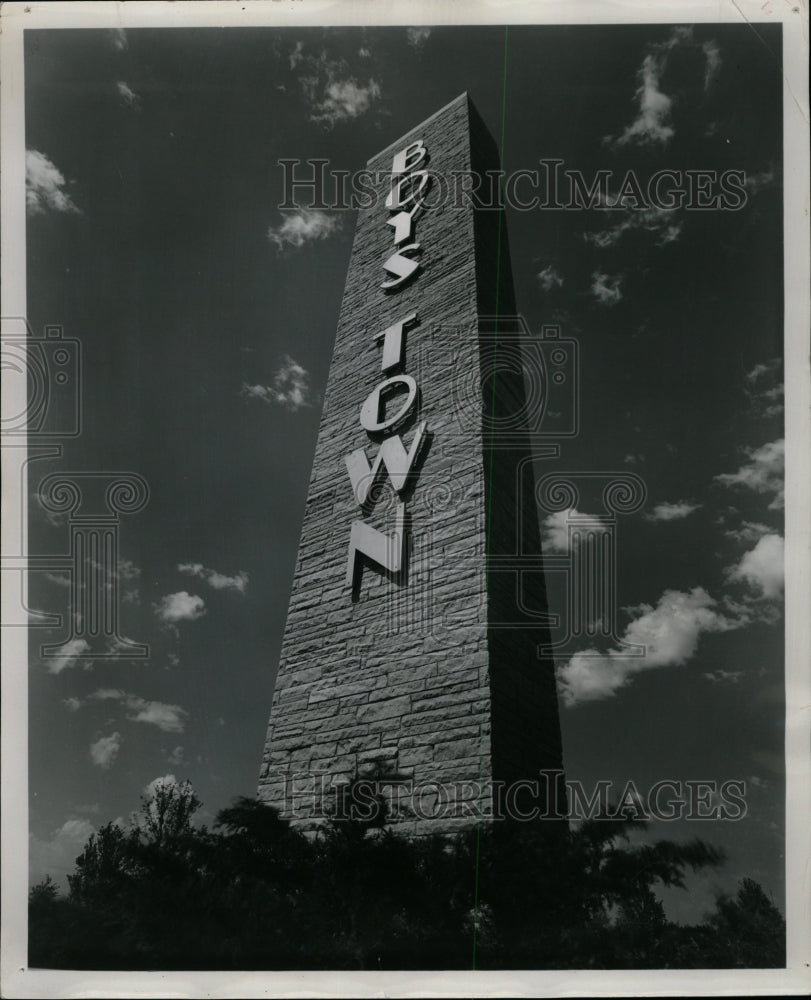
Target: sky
[206,316]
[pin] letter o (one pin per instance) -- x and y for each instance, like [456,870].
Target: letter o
[370,411]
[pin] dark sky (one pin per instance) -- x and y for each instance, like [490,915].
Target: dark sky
[206,318]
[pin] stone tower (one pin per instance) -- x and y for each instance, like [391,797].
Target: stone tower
[418,607]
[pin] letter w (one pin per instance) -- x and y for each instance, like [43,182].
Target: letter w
[397,461]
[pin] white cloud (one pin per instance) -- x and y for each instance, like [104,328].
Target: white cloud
[180,607]
[177,758]
[672,511]
[45,186]
[417,37]
[118,37]
[129,572]
[659,221]
[364,53]
[749,531]
[344,100]
[556,528]
[104,751]
[291,387]
[606,289]
[724,676]
[653,126]
[756,374]
[762,474]
[549,278]
[297,55]
[712,56]
[219,581]
[127,94]
[61,580]
[166,781]
[71,651]
[332,92]
[669,632]
[759,180]
[764,389]
[762,568]
[302,226]
[169,718]
[72,704]
[56,855]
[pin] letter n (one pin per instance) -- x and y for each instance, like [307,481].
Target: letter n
[385,550]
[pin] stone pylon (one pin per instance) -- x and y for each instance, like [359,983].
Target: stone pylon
[418,607]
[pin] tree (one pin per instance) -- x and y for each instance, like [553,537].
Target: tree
[748,931]
[167,808]
[105,867]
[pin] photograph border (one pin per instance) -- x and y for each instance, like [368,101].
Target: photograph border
[20,981]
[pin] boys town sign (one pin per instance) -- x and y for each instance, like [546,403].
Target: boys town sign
[406,199]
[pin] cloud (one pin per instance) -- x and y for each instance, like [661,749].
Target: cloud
[652,125]
[56,855]
[549,278]
[764,389]
[750,531]
[756,374]
[724,676]
[180,607]
[672,511]
[606,288]
[104,751]
[417,37]
[177,758]
[669,632]
[127,95]
[118,37]
[302,226]
[297,55]
[556,528]
[762,568]
[72,650]
[332,92]
[290,389]
[61,580]
[762,474]
[129,572]
[214,579]
[364,53]
[712,65]
[169,718]
[757,181]
[659,221]
[157,784]
[44,186]
[72,704]
[344,100]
